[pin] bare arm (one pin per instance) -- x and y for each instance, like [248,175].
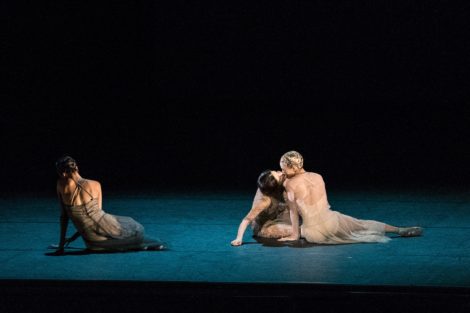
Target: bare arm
[100,195]
[260,203]
[73,238]
[292,195]
[241,231]
[64,221]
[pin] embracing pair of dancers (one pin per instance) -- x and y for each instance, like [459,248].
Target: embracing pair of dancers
[284,198]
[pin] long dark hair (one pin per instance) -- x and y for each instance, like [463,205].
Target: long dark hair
[269,186]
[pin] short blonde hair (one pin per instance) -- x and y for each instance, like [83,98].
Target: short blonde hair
[292,159]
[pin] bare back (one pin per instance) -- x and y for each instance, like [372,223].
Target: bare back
[307,189]
[72,194]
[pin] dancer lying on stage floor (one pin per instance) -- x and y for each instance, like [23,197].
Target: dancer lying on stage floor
[81,200]
[306,196]
[269,214]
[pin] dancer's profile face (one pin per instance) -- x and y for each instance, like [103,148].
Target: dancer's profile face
[288,171]
[278,176]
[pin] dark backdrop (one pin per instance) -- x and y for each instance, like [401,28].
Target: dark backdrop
[186,95]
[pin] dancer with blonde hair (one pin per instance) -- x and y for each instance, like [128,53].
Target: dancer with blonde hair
[306,197]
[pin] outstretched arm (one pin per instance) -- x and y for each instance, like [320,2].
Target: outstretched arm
[64,221]
[73,238]
[241,231]
[67,241]
[260,203]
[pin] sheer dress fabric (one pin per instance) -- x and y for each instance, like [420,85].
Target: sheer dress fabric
[272,221]
[322,225]
[103,231]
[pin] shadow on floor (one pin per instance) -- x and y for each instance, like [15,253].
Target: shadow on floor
[301,243]
[79,251]
[271,242]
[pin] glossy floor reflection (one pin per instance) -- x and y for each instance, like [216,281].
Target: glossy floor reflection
[198,229]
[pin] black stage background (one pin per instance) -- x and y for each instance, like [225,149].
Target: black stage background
[188,95]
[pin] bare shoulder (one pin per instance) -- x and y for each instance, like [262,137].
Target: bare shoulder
[63,185]
[92,186]
[315,176]
[300,180]
[292,183]
[262,198]
[93,183]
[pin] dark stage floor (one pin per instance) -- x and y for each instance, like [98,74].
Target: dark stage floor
[201,271]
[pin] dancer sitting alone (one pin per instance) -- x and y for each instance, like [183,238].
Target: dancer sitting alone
[81,201]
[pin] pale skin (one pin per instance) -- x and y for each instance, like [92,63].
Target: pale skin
[293,191]
[65,187]
[260,203]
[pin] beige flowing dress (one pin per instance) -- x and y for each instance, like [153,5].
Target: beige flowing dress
[322,225]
